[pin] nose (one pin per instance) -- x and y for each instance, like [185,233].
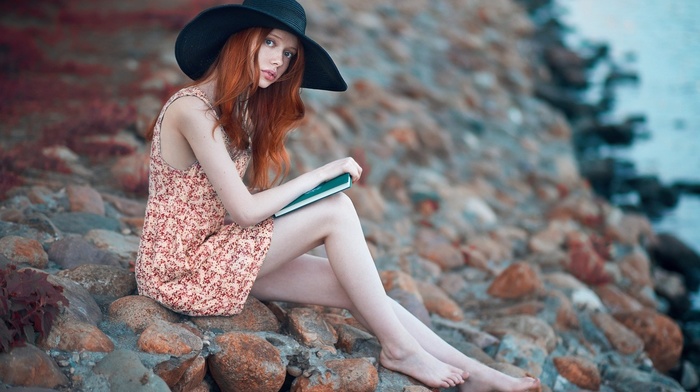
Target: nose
[277,58]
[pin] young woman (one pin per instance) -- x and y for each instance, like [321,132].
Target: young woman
[249,62]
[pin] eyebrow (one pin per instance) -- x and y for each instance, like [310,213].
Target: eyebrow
[280,38]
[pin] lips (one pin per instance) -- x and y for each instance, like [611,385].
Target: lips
[269,75]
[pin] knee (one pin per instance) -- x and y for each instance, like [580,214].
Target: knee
[339,207]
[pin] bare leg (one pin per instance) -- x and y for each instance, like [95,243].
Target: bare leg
[310,279]
[334,222]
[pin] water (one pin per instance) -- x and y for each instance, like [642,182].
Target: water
[660,41]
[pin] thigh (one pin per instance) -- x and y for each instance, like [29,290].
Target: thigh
[297,233]
[306,279]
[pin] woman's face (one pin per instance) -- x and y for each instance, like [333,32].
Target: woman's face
[274,56]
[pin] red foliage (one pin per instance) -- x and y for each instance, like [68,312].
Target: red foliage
[29,303]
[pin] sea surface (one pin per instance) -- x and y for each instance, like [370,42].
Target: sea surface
[659,40]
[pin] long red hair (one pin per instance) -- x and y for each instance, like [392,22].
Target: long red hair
[259,118]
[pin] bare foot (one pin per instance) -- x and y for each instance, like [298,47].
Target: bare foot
[495,381]
[423,367]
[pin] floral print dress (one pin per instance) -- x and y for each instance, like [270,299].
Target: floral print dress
[189,259]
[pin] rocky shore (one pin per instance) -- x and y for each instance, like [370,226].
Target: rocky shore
[472,202]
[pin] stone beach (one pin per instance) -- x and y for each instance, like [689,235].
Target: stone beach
[472,202]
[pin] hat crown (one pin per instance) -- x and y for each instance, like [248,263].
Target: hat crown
[288,11]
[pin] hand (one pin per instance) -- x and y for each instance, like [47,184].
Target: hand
[340,166]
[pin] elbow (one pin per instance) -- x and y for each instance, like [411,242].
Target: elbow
[244,220]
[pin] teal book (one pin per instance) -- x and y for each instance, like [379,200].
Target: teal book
[335,185]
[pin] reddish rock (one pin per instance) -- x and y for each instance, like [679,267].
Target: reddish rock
[255,317]
[182,374]
[84,198]
[636,268]
[395,279]
[347,375]
[131,172]
[69,334]
[138,312]
[192,377]
[616,300]
[246,362]
[353,340]
[579,371]
[28,366]
[20,250]
[663,339]
[435,247]
[311,329]
[103,280]
[438,302]
[619,336]
[584,262]
[163,337]
[516,281]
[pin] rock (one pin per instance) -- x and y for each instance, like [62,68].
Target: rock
[246,362]
[125,373]
[28,366]
[636,269]
[174,369]
[517,281]
[585,263]
[311,329]
[124,246]
[520,349]
[356,341]
[69,334]
[438,302]
[672,254]
[620,337]
[663,339]
[162,337]
[579,371]
[347,375]
[254,317]
[70,252]
[20,250]
[139,312]
[131,172]
[439,250]
[82,222]
[192,377]
[82,306]
[102,280]
[616,300]
[629,379]
[85,199]
[531,327]
[412,302]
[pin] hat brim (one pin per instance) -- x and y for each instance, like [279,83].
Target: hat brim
[201,40]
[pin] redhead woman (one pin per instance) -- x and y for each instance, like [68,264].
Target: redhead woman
[248,63]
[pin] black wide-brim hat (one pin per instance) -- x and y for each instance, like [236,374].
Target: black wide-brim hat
[201,40]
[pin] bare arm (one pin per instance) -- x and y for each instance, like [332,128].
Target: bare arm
[194,121]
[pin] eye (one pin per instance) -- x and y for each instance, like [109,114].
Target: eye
[288,54]
[269,42]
